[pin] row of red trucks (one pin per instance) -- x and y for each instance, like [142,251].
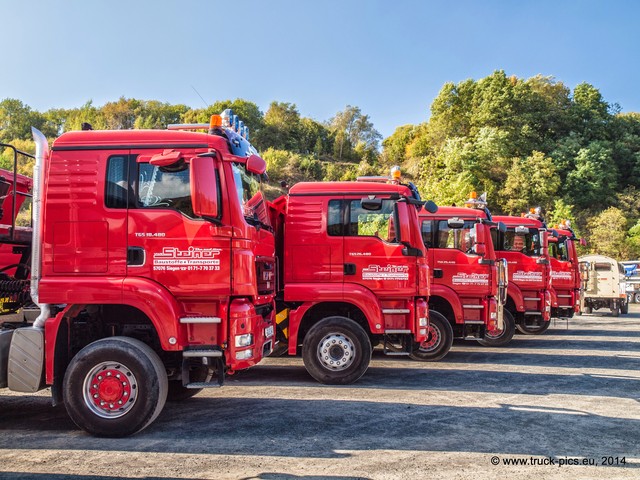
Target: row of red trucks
[156,267]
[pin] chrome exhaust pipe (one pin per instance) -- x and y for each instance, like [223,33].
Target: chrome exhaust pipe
[42,155]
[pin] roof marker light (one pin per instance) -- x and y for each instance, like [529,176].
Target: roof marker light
[216,121]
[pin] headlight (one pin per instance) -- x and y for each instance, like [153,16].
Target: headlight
[423,321]
[244,340]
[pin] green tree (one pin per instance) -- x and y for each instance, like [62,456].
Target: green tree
[16,120]
[593,182]
[607,232]
[351,128]
[531,181]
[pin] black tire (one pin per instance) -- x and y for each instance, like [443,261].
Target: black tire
[533,329]
[178,392]
[500,338]
[336,351]
[588,309]
[636,297]
[439,341]
[624,308]
[144,386]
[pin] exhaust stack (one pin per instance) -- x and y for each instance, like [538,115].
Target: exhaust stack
[42,155]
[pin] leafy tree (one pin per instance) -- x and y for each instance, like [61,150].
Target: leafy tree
[351,127]
[281,128]
[16,120]
[607,232]
[595,178]
[531,181]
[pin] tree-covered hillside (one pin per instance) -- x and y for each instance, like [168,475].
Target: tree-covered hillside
[526,142]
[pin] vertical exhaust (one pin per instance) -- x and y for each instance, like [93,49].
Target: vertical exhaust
[42,155]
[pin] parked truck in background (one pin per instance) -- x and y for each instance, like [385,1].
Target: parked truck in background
[632,279]
[354,274]
[468,283]
[152,264]
[604,285]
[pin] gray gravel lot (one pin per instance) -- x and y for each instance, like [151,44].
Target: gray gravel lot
[570,395]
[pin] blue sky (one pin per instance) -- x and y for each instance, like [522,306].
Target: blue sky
[390,58]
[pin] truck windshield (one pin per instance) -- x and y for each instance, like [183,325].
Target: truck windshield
[438,234]
[249,191]
[528,243]
[559,250]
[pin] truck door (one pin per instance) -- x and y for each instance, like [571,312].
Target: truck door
[373,254]
[167,243]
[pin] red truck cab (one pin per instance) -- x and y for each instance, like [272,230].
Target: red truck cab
[354,274]
[525,247]
[565,272]
[153,266]
[468,283]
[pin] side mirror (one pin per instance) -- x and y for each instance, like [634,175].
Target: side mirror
[583,242]
[204,188]
[431,207]
[455,223]
[256,164]
[502,227]
[371,203]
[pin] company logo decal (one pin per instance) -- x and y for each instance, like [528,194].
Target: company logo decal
[390,272]
[521,276]
[470,279]
[191,259]
[561,275]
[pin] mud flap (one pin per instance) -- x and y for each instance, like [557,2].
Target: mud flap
[26,360]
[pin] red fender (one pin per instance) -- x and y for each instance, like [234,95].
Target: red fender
[315,293]
[515,293]
[450,296]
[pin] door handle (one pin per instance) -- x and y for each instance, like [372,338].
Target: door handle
[349,268]
[136,256]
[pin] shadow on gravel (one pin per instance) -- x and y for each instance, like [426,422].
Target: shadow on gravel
[592,333]
[433,378]
[66,476]
[303,428]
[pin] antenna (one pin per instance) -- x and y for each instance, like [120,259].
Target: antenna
[203,100]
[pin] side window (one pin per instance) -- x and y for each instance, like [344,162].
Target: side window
[427,233]
[335,219]
[372,223]
[117,183]
[165,187]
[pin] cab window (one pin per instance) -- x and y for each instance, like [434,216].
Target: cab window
[165,187]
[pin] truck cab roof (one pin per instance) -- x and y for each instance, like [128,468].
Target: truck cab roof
[348,188]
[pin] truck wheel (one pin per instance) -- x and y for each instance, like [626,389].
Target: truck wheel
[624,308]
[533,329]
[499,338]
[336,351]
[439,342]
[615,311]
[115,387]
[636,297]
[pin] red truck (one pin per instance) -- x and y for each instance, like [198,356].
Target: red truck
[468,283]
[153,268]
[525,247]
[353,273]
[565,272]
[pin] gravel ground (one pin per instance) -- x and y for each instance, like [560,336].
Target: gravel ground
[548,402]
